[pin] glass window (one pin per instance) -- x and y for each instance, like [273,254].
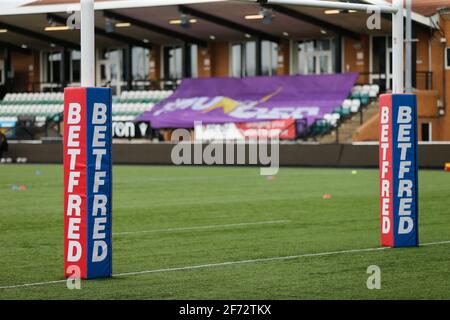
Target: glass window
[173,68]
[323,45]
[324,64]
[243,56]
[194,60]
[243,59]
[176,64]
[52,67]
[250,57]
[236,60]
[269,58]
[306,46]
[311,64]
[315,56]
[140,63]
[110,68]
[173,62]
[115,56]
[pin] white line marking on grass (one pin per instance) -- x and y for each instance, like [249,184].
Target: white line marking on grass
[217,226]
[228,263]
[434,243]
[32,284]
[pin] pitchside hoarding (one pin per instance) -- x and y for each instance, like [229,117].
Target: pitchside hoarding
[398,170]
[87,182]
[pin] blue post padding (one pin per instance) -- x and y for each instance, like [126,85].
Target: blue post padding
[99,175]
[405,170]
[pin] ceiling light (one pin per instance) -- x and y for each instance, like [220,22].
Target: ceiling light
[336,11]
[248,36]
[254,17]
[56,28]
[145,40]
[185,21]
[265,15]
[286,34]
[24,46]
[3,30]
[123,24]
[178,21]
[52,45]
[323,31]
[212,37]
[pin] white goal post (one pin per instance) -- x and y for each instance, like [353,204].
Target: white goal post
[396,9]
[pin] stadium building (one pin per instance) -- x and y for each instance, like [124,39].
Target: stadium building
[143,52]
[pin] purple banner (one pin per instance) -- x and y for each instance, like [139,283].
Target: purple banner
[222,100]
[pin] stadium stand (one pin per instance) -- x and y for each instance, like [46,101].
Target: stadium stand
[133,103]
[39,115]
[360,97]
[128,104]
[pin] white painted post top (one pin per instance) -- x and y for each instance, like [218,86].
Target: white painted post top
[87,43]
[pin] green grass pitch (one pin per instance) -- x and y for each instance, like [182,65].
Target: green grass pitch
[176,217]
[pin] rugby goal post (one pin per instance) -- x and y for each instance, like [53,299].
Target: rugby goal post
[87,166]
[88,148]
[398,161]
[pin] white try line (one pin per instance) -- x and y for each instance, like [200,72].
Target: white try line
[228,263]
[216,226]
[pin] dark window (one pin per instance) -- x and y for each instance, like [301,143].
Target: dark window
[426,132]
[174,64]
[53,67]
[75,57]
[379,55]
